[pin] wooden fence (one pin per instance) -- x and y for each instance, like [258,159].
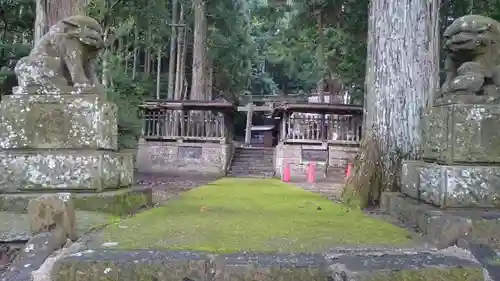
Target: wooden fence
[185,125]
[314,128]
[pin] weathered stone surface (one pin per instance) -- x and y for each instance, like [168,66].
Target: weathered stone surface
[129,266]
[33,264]
[120,202]
[475,224]
[270,267]
[153,157]
[462,133]
[16,228]
[34,253]
[126,168]
[63,121]
[336,265]
[401,264]
[53,213]
[62,170]
[410,178]
[124,201]
[64,56]
[460,186]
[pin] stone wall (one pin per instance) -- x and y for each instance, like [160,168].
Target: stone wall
[181,157]
[327,156]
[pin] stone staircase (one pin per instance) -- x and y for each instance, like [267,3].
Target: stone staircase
[257,162]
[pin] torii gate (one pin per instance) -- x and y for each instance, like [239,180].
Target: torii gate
[250,108]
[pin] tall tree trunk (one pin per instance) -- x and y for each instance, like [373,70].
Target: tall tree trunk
[179,71]
[158,73]
[136,50]
[184,94]
[147,54]
[401,57]
[171,63]
[320,57]
[49,12]
[199,51]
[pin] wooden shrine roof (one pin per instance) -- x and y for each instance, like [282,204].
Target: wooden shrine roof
[324,108]
[219,105]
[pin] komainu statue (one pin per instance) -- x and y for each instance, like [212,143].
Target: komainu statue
[472,63]
[63,58]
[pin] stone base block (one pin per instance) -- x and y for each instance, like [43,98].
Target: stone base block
[196,158]
[340,264]
[64,170]
[462,133]
[401,264]
[15,227]
[452,186]
[57,121]
[120,202]
[478,225]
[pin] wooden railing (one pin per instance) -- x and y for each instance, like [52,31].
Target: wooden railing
[313,128]
[183,125]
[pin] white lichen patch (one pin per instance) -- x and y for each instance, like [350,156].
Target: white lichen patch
[88,122]
[74,170]
[476,113]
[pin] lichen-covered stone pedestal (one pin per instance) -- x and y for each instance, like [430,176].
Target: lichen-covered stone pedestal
[60,142]
[461,163]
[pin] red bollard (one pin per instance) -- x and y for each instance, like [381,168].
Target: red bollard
[286,173]
[348,170]
[311,173]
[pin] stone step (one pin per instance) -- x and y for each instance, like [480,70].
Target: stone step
[258,166]
[251,168]
[356,264]
[119,202]
[245,175]
[246,156]
[254,152]
[252,164]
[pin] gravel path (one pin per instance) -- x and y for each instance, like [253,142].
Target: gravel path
[166,186]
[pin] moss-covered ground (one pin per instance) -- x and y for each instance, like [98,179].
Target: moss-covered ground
[264,215]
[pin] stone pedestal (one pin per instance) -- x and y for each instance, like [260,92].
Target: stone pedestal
[60,142]
[461,157]
[452,185]
[462,133]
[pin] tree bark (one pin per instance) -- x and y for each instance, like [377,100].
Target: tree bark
[172,56]
[179,71]
[136,50]
[49,12]
[198,81]
[320,58]
[158,73]
[401,78]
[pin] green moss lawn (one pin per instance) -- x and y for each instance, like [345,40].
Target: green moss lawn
[234,214]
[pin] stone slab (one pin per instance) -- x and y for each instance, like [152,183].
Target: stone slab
[60,170]
[120,202]
[462,133]
[379,264]
[336,265]
[479,225]
[15,227]
[58,121]
[452,186]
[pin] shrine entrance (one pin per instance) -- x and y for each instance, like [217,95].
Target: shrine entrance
[260,135]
